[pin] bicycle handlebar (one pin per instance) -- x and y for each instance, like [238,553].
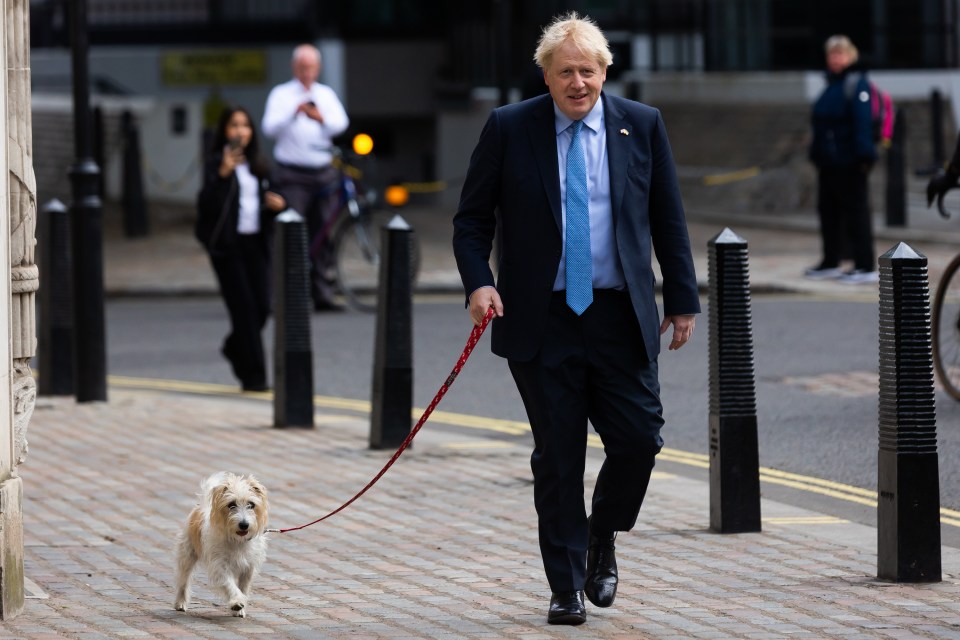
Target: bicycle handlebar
[943,211]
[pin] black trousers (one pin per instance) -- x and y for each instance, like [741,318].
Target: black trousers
[313,193]
[243,276]
[592,367]
[845,225]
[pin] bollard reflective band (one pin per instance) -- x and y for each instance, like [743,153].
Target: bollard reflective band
[467,350]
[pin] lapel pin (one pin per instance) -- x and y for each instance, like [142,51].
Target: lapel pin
[624,132]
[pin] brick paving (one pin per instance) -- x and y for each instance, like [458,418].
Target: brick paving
[444,547]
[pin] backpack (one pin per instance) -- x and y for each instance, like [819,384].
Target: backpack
[881,108]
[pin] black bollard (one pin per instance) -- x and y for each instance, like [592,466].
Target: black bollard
[734,456]
[908,512]
[86,227]
[936,127]
[98,147]
[135,223]
[293,355]
[393,350]
[55,343]
[896,200]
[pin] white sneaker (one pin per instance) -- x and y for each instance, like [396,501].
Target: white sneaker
[859,276]
[823,273]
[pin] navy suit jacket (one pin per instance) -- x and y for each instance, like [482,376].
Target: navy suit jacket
[514,168]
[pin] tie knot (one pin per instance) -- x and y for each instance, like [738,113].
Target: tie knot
[576,126]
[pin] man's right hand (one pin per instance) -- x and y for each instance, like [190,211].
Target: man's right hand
[481,300]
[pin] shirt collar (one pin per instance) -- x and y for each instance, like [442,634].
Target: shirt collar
[593,120]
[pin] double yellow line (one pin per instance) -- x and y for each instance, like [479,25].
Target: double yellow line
[829,488]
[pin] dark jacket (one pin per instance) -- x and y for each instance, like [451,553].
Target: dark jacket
[514,169]
[842,122]
[218,209]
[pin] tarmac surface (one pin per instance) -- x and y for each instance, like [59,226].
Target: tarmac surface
[445,546]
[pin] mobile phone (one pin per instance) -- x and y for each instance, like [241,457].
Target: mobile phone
[234,143]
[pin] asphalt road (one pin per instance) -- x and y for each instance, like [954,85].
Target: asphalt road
[816,363]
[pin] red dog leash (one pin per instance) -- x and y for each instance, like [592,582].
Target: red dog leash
[467,350]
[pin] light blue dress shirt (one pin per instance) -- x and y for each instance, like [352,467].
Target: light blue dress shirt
[607,271]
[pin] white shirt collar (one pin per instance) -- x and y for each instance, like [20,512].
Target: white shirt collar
[593,120]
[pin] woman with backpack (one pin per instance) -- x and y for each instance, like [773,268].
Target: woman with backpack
[843,151]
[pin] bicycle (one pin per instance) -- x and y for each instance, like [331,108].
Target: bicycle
[945,322]
[352,235]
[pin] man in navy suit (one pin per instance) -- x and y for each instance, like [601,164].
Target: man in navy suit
[575,309]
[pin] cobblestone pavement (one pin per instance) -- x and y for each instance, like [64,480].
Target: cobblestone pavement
[443,547]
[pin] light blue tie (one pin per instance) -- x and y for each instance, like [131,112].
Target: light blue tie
[579,264]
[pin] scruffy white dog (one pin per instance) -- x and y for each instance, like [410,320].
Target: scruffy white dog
[226,534]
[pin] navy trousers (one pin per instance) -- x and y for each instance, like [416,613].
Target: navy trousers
[591,367]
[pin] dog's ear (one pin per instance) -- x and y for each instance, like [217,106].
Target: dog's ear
[257,487]
[216,495]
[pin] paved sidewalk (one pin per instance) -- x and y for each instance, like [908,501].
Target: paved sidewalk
[444,547]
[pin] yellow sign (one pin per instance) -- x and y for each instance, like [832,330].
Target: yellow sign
[218,67]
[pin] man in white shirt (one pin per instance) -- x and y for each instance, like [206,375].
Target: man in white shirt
[303,116]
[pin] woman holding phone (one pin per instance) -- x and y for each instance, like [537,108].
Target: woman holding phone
[235,209]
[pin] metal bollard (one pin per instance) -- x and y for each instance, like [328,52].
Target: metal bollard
[86,230]
[734,456]
[896,192]
[98,147]
[135,223]
[936,127]
[393,350]
[292,352]
[908,511]
[55,344]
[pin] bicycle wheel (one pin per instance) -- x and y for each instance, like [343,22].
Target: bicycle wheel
[357,255]
[946,329]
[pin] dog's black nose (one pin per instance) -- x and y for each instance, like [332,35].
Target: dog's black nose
[244,526]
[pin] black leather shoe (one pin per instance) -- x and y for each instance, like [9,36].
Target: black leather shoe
[566,607]
[601,585]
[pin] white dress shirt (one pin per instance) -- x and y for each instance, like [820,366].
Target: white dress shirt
[300,141]
[607,270]
[248,220]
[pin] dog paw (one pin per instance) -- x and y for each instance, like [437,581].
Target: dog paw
[180,606]
[239,610]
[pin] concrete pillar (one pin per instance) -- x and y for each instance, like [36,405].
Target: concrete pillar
[18,289]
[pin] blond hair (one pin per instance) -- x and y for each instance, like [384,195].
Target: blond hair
[843,43]
[582,31]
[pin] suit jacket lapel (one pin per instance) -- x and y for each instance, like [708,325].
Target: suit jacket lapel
[618,152]
[543,139]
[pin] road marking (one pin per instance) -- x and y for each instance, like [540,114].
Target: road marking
[731,176]
[785,520]
[821,486]
[486,444]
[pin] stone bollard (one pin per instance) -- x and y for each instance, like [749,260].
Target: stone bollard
[392,402]
[908,511]
[55,343]
[734,456]
[292,351]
